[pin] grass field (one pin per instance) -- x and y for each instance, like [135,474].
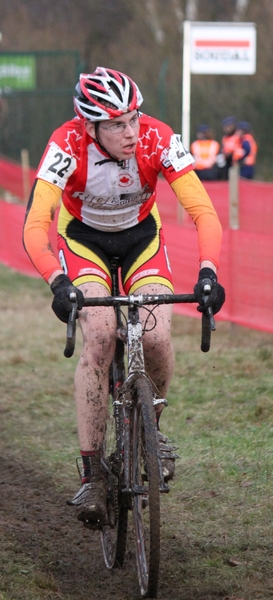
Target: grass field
[217,533]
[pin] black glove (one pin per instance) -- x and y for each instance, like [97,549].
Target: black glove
[61,287]
[215,298]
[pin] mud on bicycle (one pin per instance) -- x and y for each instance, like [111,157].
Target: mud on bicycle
[137,459]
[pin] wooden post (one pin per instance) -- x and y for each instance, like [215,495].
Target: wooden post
[233,177]
[25,173]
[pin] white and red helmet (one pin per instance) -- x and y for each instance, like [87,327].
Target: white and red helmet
[105,94]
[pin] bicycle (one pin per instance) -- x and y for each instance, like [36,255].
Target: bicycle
[132,458]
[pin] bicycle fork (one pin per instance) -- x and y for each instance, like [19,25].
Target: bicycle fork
[136,366]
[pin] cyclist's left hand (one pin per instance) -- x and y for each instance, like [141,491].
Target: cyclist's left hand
[61,287]
[216,297]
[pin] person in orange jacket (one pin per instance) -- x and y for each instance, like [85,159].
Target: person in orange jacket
[228,145]
[205,151]
[246,150]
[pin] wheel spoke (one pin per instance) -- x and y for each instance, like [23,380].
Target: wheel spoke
[145,476]
[114,534]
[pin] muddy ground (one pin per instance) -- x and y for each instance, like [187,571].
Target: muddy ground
[40,530]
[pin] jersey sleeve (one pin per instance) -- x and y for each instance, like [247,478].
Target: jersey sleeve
[59,161]
[195,200]
[162,149]
[56,166]
[41,208]
[175,159]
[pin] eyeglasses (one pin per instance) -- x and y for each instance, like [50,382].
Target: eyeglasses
[118,128]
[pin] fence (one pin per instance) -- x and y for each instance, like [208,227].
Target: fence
[28,115]
[15,179]
[246,256]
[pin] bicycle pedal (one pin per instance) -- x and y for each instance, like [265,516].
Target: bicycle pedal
[169,456]
[160,401]
[164,488]
[145,503]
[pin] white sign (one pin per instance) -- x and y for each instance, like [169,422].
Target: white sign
[223,48]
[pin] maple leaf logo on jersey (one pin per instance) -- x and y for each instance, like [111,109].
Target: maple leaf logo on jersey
[125,180]
[71,138]
[146,145]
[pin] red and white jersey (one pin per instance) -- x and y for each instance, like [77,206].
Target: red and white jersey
[106,194]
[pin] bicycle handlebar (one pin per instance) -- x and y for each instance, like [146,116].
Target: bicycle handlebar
[140,300]
[208,322]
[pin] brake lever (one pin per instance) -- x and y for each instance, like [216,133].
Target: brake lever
[71,327]
[209,311]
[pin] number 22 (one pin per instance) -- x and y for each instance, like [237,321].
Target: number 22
[60,160]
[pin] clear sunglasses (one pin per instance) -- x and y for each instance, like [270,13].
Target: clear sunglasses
[117,128]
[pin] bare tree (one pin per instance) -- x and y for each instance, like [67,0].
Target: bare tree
[179,12]
[154,21]
[191,9]
[240,9]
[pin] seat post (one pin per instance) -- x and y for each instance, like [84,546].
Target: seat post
[114,266]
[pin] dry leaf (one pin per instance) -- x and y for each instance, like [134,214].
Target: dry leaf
[234,563]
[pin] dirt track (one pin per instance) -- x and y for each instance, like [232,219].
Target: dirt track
[43,531]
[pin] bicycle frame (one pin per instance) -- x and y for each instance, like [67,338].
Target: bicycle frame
[131,335]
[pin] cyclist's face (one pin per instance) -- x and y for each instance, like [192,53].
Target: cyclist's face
[118,136]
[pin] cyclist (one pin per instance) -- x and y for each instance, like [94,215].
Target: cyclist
[104,165]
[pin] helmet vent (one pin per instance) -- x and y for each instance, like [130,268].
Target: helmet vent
[115,89]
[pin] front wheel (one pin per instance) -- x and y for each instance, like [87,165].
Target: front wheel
[145,488]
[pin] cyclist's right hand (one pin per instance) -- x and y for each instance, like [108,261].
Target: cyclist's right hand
[61,287]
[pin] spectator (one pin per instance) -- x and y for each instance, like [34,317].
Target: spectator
[246,150]
[229,142]
[205,150]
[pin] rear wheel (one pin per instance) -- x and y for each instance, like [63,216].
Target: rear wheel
[145,487]
[113,537]
[114,534]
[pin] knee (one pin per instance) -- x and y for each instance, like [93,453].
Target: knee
[98,347]
[158,348]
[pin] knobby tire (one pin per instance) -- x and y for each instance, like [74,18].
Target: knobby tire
[114,534]
[145,477]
